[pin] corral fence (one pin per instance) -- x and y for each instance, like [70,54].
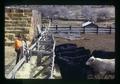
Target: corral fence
[71,29]
[43,46]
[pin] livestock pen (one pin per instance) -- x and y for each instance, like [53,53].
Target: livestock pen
[41,54]
[94,42]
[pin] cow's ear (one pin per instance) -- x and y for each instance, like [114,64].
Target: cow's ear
[92,59]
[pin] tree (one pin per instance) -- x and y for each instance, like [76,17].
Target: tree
[102,15]
[55,11]
[88,13]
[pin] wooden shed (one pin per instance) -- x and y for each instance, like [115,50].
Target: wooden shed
[89,27]
[89,24]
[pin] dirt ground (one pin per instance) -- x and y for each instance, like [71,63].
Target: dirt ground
[92,41]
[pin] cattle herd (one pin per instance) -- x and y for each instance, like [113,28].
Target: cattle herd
[77,62]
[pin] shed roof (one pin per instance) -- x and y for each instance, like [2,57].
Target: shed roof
[87,23]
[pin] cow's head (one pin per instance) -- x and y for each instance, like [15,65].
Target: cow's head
[90,61]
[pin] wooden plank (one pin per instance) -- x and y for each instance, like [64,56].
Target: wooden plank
[37,40]
[77,29]
[43,52]
[47,43]
[74,31]
[39,29]
[65,31]
[40,71]
[46,60]
[18,65]
[53,58]
[31,47]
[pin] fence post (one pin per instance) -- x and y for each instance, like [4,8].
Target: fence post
[70,29]
[83,30]
[56,29]
[42,28]
[110,30]
[51,19]
[97,30]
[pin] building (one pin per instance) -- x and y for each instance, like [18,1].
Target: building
[89,24]
[89,27]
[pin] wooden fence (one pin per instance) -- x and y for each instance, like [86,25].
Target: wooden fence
[57,29]
[43,46]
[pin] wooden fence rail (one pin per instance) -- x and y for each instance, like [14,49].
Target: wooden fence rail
[70,29]
[35,49]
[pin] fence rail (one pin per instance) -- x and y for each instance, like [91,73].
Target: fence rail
[43,45]
[19,64]
[70,29]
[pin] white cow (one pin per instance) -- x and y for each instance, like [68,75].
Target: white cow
[102,66]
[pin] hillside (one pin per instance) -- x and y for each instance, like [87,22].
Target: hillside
[72,11]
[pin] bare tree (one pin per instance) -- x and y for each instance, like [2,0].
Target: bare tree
[71,11]
[88,13]
[54,11]
[102,15]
